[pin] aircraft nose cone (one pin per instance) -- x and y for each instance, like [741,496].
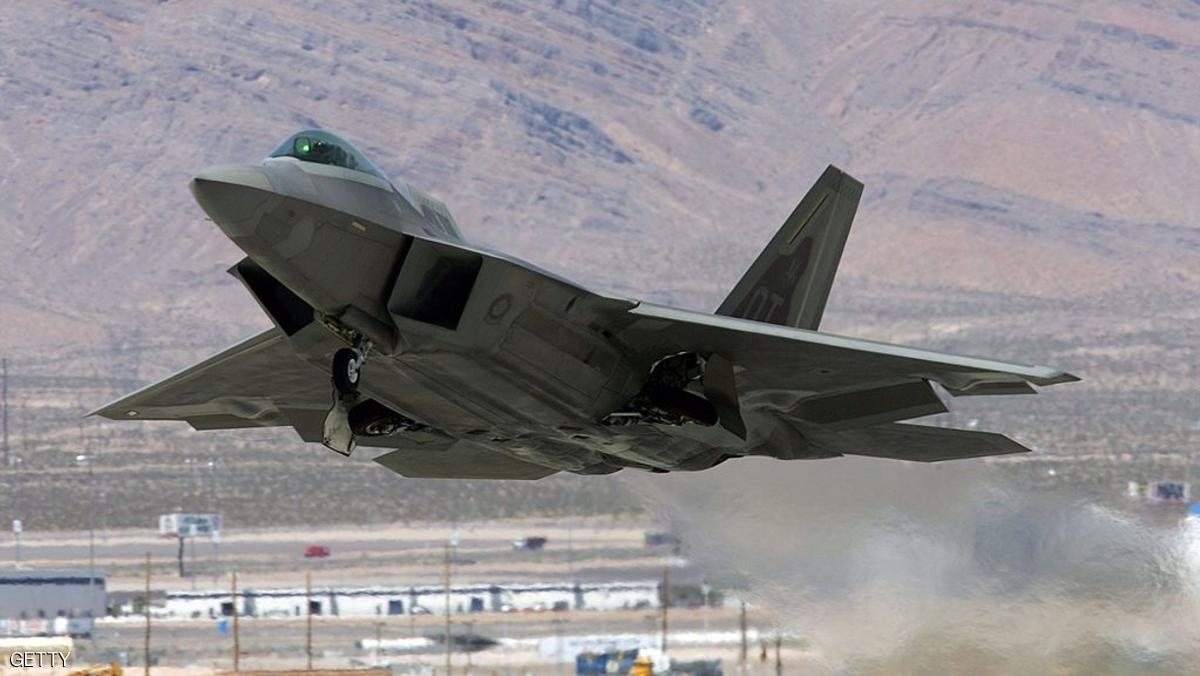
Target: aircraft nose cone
[234,196]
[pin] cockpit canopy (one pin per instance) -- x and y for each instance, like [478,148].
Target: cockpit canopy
[322,147]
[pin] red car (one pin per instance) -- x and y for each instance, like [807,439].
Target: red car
[316,552]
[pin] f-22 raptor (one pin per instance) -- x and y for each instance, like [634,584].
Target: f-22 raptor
[391,330]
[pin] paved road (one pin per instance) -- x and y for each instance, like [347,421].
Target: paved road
[390,554]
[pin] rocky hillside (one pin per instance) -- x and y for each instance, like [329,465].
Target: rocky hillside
[1030,172]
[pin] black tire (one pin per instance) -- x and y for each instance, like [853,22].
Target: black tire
[373,419]
[682,403]
[347,363]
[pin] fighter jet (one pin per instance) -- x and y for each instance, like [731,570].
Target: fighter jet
[391,330]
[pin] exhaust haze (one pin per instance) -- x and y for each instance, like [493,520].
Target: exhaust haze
[892,568]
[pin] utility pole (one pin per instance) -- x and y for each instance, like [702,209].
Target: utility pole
[91,524]
[666,604]
[412,633]
[212,500]
[308,622]
[87,460]
[378,640]
[146,609]
[560,651]
[449,642]
[6,502]
[237,646]
[745,647]
[4,406]
[571,534]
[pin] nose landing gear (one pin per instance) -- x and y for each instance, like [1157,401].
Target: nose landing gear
[347,366]
[338,434]
[354,415]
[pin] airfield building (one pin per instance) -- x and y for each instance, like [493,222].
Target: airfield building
[417,600]
[50,602]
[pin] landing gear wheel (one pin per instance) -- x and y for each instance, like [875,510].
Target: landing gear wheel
[347,366]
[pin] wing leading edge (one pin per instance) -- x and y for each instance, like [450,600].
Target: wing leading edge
[769,355]
[252,384]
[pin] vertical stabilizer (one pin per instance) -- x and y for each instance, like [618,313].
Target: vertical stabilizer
[790,280]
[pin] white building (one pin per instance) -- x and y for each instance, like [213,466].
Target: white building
[373,601]
[50,602]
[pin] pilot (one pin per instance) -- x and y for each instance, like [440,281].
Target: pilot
[321,147]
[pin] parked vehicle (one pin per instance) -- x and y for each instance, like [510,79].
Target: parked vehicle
[316,552]
[531,543]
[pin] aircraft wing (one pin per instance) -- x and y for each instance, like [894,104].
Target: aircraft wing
[260,382]
[772,357]
[845,394]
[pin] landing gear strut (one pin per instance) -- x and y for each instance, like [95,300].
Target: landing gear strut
[338,434]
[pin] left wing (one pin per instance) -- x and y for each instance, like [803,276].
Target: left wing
[772,357]
[846,394]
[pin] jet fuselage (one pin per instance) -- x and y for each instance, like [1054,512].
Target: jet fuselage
[368,259]
[392,331]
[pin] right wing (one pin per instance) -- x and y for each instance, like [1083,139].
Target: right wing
[260,382]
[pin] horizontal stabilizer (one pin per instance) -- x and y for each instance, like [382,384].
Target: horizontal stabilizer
[461,460]
[919,443]
[864,407]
